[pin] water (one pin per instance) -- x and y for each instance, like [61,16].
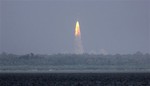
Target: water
[74,79]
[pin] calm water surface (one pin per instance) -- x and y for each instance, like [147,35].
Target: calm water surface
[74,79]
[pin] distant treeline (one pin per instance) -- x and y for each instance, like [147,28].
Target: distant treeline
[74,59]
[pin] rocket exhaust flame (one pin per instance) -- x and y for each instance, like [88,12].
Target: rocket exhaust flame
[78,41]
[77,29]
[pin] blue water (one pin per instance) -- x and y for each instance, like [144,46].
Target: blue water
[74,79]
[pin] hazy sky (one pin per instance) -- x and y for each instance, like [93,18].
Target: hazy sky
[47,26]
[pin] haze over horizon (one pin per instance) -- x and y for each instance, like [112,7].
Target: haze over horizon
[47,26]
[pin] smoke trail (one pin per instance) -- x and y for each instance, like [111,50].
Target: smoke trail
[78,41]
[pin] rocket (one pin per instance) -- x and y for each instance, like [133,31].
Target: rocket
[78,41]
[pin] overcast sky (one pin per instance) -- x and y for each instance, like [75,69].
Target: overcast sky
[47,27]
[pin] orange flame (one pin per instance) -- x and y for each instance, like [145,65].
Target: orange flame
[77,29]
